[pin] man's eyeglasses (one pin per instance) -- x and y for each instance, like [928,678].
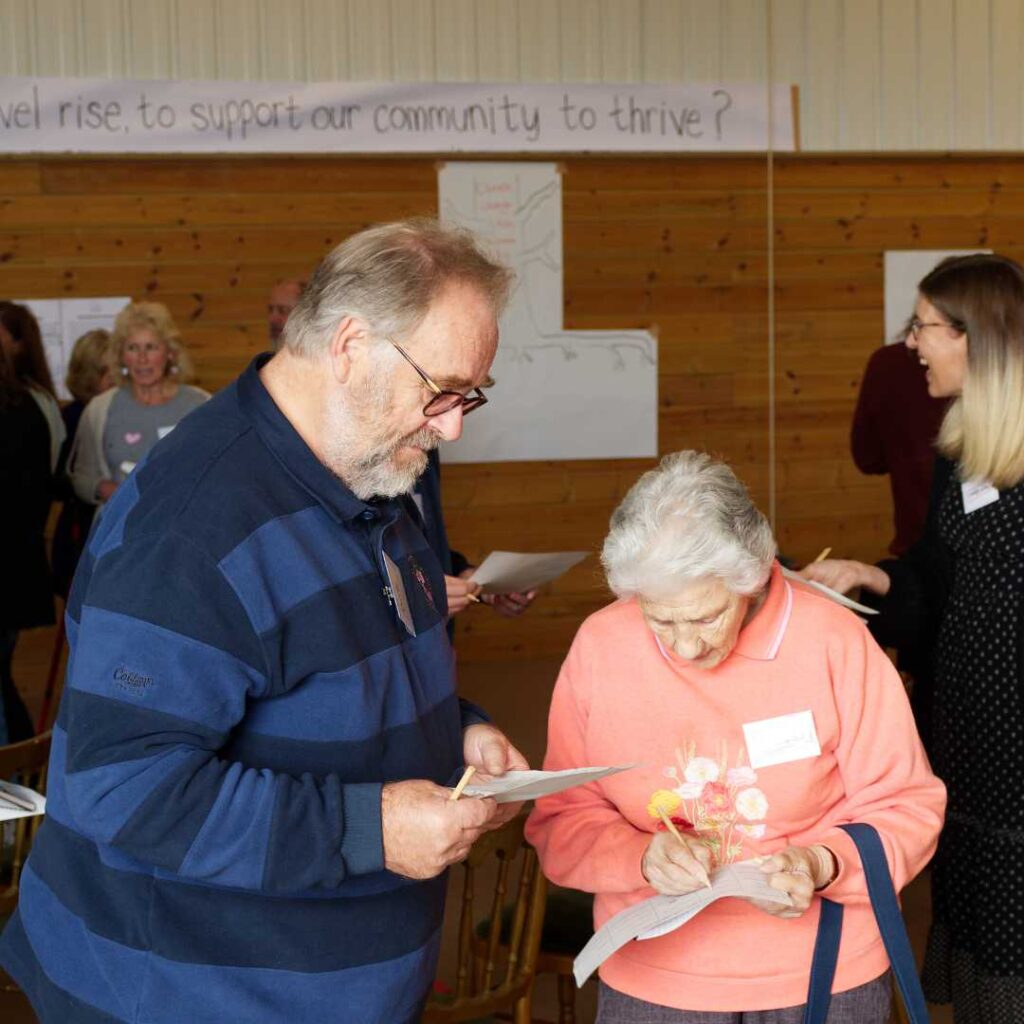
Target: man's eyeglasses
[444,401]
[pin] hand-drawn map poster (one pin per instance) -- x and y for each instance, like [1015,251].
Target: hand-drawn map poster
[559,394]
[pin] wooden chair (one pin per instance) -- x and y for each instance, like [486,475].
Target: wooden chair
[490,979]
[24,763]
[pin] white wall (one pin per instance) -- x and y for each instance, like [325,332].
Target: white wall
[873,74]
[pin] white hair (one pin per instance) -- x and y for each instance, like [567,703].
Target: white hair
[687,520]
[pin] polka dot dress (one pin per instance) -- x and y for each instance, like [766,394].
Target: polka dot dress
[975,955]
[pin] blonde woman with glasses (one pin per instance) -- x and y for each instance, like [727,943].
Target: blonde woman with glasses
[959,593]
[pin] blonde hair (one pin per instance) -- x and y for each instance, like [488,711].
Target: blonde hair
[157,317]
[983,296]
[90,357]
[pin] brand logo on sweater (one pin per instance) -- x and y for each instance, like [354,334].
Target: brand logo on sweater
[131,682]
[421,578]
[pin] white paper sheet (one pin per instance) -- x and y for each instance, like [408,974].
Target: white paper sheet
[662,914]
[560,393]
[508,572]
[63,321]
[8,812]
[530,785]
[832,595]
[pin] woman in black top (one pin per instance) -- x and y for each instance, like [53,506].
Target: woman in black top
[958,596]
[26,597]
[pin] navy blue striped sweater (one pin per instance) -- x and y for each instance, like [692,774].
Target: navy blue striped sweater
[239,688]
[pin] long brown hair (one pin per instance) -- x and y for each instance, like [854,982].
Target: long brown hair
[30,360]
[12,391]
[983,296]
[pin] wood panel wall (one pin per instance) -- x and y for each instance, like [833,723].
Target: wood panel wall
[679,245]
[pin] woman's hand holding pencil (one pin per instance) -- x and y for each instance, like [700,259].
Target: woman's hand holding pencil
[675,863]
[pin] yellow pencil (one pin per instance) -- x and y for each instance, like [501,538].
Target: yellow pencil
[463,783]
[821,558]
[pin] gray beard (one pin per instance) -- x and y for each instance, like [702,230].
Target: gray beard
[376,475]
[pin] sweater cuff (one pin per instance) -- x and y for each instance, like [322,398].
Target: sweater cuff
[362,843]
[472,714]
[849,880]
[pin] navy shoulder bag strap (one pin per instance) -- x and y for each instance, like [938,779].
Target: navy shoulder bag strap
[890,925]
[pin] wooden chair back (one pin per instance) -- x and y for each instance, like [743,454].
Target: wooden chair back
[23,763]
[491,976]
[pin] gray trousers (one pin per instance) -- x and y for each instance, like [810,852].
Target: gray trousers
[865,1004]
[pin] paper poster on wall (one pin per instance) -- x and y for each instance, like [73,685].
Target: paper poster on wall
[904,268]
[560,394]
[63,321]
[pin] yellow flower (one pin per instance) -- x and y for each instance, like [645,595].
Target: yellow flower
[663,800]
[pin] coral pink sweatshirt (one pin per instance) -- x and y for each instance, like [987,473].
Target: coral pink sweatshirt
[620,698]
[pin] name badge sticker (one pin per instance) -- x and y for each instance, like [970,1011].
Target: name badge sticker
[977,494]
[781,740]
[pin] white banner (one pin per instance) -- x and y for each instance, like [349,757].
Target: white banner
[99,115]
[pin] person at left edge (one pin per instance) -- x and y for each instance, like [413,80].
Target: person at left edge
[246,817]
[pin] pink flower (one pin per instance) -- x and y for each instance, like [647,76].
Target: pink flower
[716,800]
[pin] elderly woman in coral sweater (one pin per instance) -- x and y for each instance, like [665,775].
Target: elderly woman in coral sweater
[761,716]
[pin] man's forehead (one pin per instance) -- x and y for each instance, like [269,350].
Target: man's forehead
[285,293]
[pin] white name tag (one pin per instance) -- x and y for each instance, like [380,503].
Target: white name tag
[780,740]
[162,432]
[977,494]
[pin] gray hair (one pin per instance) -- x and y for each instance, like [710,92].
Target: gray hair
[688,519]
[388,276]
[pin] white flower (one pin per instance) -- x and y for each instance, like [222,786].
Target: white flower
[690,790]
[744,776]
[751,803]
[754,831]
[701,769]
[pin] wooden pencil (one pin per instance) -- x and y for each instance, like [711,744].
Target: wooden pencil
[463,783]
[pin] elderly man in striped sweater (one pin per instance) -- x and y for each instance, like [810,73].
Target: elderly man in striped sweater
[247,815]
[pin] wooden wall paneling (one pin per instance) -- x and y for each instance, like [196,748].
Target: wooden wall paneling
[193,39]
[675,244]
